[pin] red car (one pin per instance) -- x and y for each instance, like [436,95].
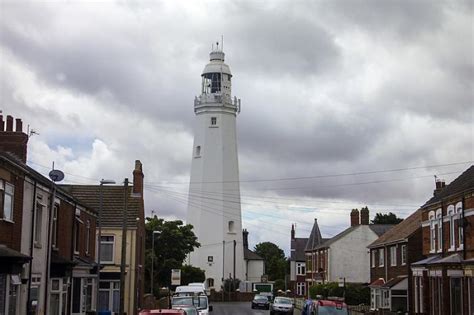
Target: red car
[164,312]
[324,307]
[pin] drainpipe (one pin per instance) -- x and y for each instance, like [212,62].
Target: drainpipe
[463,228]
[33,206]
[48,248]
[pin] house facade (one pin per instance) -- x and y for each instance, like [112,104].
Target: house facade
[390,259]
[254,265]
[54,235]
[297,264]
[111,240]
[443,282]
[344,257]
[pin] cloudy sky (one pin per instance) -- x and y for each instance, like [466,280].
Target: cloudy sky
[344,103]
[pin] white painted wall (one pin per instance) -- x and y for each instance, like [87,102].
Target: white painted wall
[292,270]
[349,257]
[215,174]
[255,270]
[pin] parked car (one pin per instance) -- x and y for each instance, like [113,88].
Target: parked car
[189,310]
[163,312]
[282,305]
[325,307]
[260,301]
[199,301]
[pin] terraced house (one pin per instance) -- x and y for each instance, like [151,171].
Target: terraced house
[443,282]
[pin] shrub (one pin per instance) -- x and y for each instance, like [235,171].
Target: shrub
[355,294]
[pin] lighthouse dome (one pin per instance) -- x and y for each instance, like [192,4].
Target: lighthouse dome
[217,65]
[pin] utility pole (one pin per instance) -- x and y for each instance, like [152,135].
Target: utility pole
[223,269]
[124,247]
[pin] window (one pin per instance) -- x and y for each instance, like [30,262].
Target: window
[88,236]
[386,298]
[211,83]
[451,214]
[373,258]
[109,296]
[6,200]
[38,223]
[107,245]
[197,153]
[308,262]
[393,255]
[231,227]
[432,231]
[381,257]
[210,283]
[460,226]
[300,288]
[456,296]
[88,285]
[300,269]
[213,121]
[210,259]
[404,254]
[54,240]
[76,236]
[439,218]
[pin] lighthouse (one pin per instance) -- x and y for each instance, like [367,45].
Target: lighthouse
[214,190]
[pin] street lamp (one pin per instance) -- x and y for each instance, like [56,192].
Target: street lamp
[153,259]
[102,183]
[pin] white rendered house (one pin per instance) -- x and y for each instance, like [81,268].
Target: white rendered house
[214,191]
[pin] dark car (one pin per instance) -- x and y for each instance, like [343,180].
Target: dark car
[261,301]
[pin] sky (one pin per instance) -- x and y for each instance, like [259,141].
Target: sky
[344,103]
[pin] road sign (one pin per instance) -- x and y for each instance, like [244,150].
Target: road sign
[175,276]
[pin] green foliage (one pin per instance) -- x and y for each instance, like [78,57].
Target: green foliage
[278,285]
[191,274]
[355,293]
[275,261]
[384,218]
[173,242]
[231,285]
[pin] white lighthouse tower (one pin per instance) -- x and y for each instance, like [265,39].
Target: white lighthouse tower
[214,190]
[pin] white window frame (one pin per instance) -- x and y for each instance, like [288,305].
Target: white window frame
[300,269]
[110,291]
[88,236]
[54,239]
[373,258]
[432,220]
[300,288]
[452,231]
[460,227]
[439,219]
[381,257]
[386,299]
[39,210]
[102,261]
[7,189]
[403,254]
[393,255]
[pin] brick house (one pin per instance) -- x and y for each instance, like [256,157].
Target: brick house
[111,240]
[314,267]
[46,233]
[390,258]
[345,255]
[297,264]
[443,282]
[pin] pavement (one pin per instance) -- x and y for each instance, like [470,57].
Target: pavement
[238,308]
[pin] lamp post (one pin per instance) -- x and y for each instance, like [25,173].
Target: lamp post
[153,260]
[101,198]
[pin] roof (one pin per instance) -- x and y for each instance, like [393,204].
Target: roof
[315,238]
[250,255]
[463,182]
[401,231]
[394,281]
[11,255]
[377,283]
[297,249]
[112,205]
[378,229]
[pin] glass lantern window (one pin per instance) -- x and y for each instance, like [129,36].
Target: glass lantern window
[211,83]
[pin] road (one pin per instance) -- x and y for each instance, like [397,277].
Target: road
[238,308]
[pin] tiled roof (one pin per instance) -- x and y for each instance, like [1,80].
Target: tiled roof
[463,182]
[394,281]
[297,249]
[250,255]
[377,283]
[315,238]
[400,231]
[378,229]
[113,202]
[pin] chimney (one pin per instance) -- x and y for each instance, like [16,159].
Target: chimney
[292,231]
[138,178]
[245,238]
[440,184]
[364,216]
[354,217]
[14,142]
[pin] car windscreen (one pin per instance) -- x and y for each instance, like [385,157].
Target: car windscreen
[199,302]
[331,310]
[261,299]
[282,301]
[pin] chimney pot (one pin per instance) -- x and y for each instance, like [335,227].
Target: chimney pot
[364,216]
[292,231]
[354,217]
[9,123]
[2,124]
[138,178]
[245,238]
[19,125]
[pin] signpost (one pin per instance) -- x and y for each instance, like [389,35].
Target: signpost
[175,276]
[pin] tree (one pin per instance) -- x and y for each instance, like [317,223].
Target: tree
[275,261]
[384,218]
[231,285]
[173,242]
[192,274]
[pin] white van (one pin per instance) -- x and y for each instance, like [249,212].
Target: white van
[191,296]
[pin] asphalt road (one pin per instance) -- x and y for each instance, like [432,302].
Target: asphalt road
[238,308]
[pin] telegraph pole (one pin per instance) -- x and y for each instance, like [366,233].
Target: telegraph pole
[124,247]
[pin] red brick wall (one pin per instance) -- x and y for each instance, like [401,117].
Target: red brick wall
[86,217]
[10,233]
[65,229]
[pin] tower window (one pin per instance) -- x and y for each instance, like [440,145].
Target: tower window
[198,151]
[231,227]
[213,121]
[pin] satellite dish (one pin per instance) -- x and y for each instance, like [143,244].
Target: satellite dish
[56,175]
